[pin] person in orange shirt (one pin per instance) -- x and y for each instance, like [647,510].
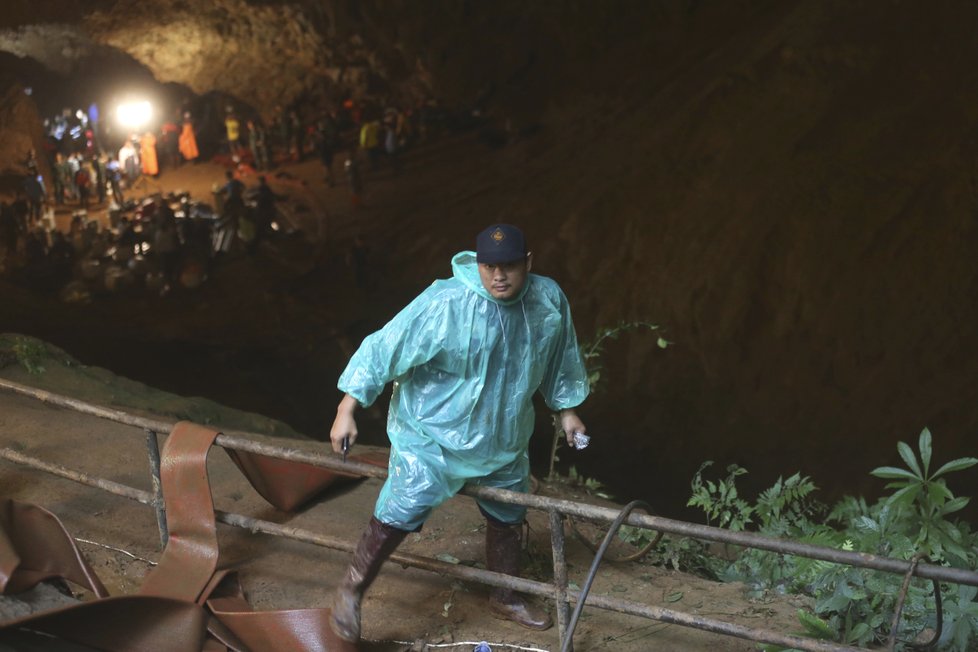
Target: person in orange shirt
[147,154]
[188,140]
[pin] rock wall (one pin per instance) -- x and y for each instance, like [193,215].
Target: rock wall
[263,55]
[797,205]
[508,57]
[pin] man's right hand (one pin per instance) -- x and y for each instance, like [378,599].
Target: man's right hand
[344,425]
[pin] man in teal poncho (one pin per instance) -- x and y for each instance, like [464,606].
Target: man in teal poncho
[465,357]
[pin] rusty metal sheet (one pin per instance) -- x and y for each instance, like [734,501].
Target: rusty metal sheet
[167,614]
[288,485]
[34,546]
[190,557]
[294,629]
[124,624]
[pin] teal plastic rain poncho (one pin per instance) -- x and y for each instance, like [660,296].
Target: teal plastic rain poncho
[465,367]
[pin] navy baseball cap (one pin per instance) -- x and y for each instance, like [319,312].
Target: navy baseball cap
[500,243]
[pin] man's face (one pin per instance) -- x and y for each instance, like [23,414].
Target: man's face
[505,280]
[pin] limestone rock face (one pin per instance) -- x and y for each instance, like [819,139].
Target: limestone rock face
[263,55]
[57,46]
[511,57]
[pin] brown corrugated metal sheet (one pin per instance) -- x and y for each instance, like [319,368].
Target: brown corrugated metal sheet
[185,604]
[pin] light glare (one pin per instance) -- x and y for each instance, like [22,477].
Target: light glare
[134,114]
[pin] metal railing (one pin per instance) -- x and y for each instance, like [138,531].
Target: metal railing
[557,509]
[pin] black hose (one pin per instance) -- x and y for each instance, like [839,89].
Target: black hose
[612,531]
[939,626]
[635,556]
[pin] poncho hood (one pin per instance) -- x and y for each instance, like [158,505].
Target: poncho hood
[466,270]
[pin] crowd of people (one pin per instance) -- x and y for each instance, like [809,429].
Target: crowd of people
[162,243]
[86,170]
[84,175]
[367,134]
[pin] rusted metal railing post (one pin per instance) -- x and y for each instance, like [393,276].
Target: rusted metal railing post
[153,446]
[560,573]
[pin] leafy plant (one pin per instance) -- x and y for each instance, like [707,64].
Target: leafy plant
[856,606]
[591,351]
[785,505]
[678,553]
[30,353]
[591,354]
[960,619]
[719,499]
[815,628]
[590,485]
[784,510]
[928,498]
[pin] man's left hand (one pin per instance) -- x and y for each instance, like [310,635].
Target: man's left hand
[571,423]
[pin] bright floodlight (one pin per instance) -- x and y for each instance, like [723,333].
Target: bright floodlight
[134,114]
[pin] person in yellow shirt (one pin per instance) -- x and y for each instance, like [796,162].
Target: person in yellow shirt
[370,141]
[233,128]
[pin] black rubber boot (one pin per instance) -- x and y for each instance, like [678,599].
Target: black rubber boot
[503,551]
[379,540]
